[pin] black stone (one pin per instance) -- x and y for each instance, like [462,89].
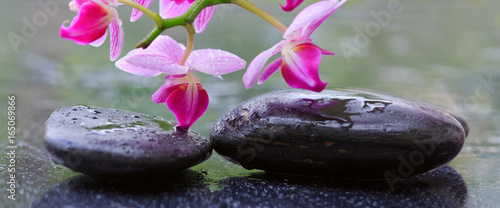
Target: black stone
[338,133]
[101,141]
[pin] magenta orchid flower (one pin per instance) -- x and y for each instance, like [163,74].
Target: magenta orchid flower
[300,58]
[291,5]
[175,8]
[184,96]
[91,24]
[182,91]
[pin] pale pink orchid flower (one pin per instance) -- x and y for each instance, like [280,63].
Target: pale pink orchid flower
[300,58]
[91,24]
[175,8]
[182,91]
[291,5]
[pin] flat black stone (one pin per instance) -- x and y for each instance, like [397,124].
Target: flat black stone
[102,141]
[339,133]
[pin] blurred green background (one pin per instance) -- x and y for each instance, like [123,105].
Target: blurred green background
[442,52]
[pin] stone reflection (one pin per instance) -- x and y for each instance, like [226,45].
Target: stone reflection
[185,189]
[440,188]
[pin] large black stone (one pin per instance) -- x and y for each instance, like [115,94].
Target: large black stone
[101,141]
[339,133]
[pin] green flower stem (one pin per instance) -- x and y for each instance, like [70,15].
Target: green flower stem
[187,18]
[190,43]
[261,13]
[153,15]
[190,15]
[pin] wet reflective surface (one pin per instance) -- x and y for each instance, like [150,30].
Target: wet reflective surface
[440,188]
[445,53]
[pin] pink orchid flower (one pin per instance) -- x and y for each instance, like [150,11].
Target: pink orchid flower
[291,5]
[91,24]
[182,91]
[300,58]
[184,96]
[175,8]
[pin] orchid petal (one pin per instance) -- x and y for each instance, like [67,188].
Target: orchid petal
[100,40]
[171,84]
[291,5]
[180,1]
[135,68]
[144,62]
[75,5]
[215,62]
[326,52]
[270,69]
[170,9]
[312,16]
[188,102]
[201,21]
[116,39]
[168,46]
[300,67]
[255,67]
[136,14]
[162,56]
[89,25]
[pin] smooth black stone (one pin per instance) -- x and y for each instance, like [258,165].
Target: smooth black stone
[338,133]
[102,141]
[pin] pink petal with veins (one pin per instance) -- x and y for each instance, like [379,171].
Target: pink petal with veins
[168,46]
[215,62]
[136,14]
[312,16]
[116,39]
[255,67]
[270,69]
[201,21]
[162,56]
[300,67]
[144,62]
[170,9]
